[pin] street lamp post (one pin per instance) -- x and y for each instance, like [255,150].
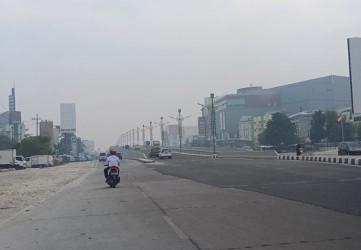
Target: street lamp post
[137,135]
[133,137]
[151,132]
[162,130]
[161,124]
[205,125]
[180,119]
[143,135]
[213,125]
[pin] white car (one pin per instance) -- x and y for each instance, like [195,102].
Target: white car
[165,153]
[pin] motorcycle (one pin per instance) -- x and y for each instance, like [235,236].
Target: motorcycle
[113,176]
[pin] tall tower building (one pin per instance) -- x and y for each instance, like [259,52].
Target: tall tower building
[12,100]
[14,119]
[68,126]
[67,118]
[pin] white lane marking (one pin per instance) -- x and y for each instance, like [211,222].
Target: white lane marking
[134,183]
[175,228]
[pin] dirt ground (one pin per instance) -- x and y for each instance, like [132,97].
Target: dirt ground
[23,188]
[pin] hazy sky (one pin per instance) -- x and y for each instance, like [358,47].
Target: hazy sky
[125,63]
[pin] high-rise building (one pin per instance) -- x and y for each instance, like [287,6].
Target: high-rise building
[10,121]
[354,58]
[46,128]
[68,127]
[12,100]
[67,118]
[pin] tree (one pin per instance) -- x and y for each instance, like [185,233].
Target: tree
[333,128]
[317,131]
[358,131]
[349,131]
[280,131]
[79,145]
[34,145]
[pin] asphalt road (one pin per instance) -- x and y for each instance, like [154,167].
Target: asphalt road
[193,203]
[332,186]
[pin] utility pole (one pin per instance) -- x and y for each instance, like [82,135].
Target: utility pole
[37,119]
[180,119]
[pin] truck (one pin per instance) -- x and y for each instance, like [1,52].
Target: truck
[20,161]
[7,158]
[41,161]
[154,151]
[156,144]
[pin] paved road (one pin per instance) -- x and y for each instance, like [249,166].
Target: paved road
[150,210]
[332,186]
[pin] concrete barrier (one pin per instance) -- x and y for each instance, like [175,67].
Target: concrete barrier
[326,159]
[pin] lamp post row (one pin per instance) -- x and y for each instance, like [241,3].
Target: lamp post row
[128,138]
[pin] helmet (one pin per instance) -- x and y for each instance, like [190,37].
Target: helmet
[112,152]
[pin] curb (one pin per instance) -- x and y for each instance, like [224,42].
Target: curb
[198,155]
[328,159]
[144,160]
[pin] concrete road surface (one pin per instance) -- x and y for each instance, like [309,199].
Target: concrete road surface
[149,210]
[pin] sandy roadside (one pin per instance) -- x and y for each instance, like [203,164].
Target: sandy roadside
[22,188]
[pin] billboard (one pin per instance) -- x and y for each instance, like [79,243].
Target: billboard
[15,117]
[67,118]
[201,126]
[354,58]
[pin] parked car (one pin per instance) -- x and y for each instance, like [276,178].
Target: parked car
[102,156]
[154,152]
[165,153]
[136,147]
[349,148]
[127,147]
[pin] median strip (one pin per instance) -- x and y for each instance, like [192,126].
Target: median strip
[328,159]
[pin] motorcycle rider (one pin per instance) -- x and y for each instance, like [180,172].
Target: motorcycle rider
[112,160]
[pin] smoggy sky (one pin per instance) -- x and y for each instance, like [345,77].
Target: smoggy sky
[125,63]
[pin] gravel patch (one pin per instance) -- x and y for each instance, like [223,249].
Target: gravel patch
[23,188]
